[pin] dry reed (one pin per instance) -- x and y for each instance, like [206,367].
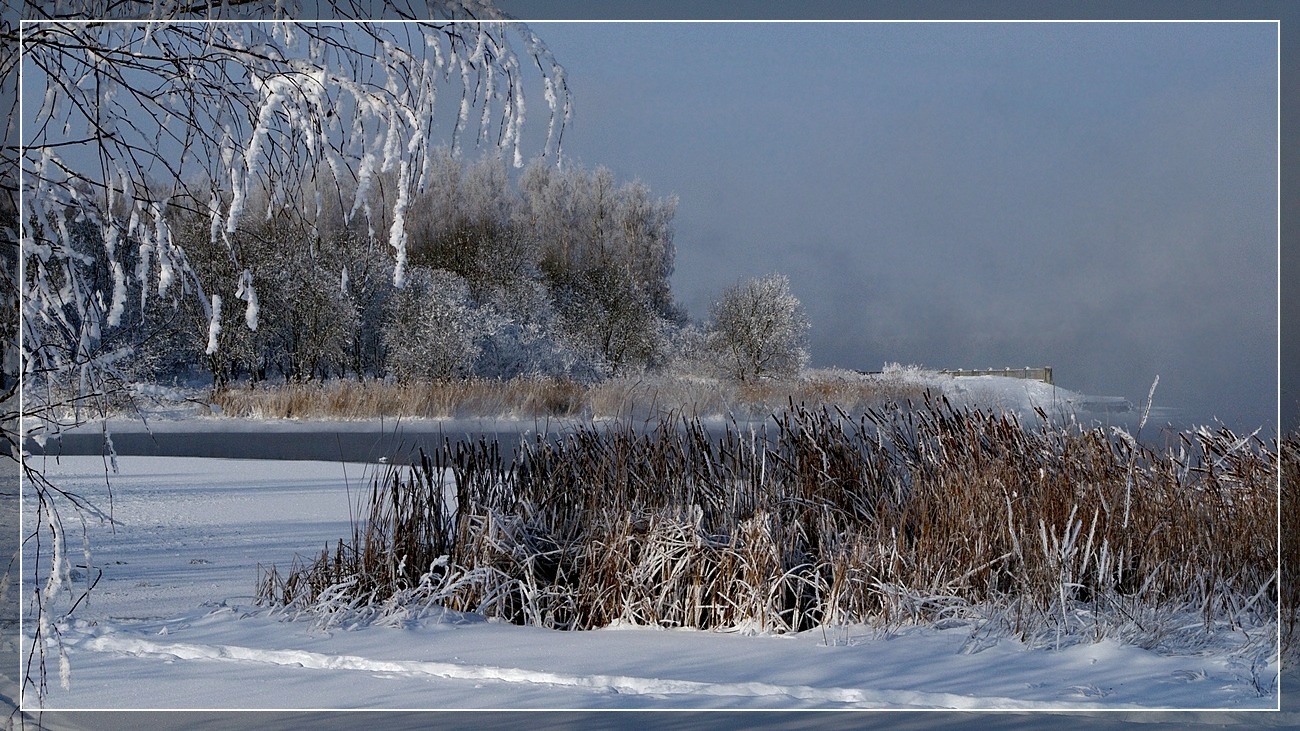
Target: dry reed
[647,397]
[1290,549]
[904,513]
[347,399]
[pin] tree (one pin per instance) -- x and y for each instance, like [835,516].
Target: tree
[523,336]
[365,275]
[142,119]
[139,119]
[463,224]
[606,252]
[609,313]
[759,329]
[583,221]
[431,333]
[645,233]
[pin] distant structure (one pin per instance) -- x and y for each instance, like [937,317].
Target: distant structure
[1043,374]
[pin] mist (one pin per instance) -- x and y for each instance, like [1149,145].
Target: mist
[1100,198]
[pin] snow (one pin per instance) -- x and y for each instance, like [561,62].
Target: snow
[1023,396]
[397,234]
[172,624]
[214,325]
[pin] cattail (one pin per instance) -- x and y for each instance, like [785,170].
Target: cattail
[924,512]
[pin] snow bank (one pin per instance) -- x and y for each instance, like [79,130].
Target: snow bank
[1026,397]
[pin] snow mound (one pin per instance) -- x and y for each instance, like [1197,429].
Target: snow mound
[1027,399]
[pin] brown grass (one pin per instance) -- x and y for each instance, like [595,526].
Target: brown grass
[1290,530]
[903,514]
[637,397]
[520,397]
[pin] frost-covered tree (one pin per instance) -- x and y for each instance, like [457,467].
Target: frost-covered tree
[139,119]
[689,351]
[432,330]
[759,329]
[364,274]
[238,347]
[584,221]
[523,336]
[549,212]
[645,233]
[318,327]
[606,252]
[601,251]
[346,261]
[463,224]
[611,316]
[316,279]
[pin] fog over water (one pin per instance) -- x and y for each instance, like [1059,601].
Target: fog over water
[1100,198]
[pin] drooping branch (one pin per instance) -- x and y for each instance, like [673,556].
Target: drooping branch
[136,113]
[140,119]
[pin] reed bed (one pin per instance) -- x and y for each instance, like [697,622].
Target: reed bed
[904,513]
[645,397]
[659,396]
[350,399]
[1290,550]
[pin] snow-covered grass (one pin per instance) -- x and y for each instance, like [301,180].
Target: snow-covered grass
[172,625]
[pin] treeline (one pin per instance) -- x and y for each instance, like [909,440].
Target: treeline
[558,273]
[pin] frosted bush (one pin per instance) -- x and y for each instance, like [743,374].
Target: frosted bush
[759,329]
[430,333]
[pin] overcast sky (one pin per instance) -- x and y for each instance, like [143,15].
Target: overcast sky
[1100,198]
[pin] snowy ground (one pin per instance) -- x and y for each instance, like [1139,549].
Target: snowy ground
[171,625]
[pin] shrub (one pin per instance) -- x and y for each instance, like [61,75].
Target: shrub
[759,329]
[431,331]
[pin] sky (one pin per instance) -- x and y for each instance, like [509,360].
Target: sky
[1101,198]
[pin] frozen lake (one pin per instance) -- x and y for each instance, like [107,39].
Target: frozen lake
[330,441]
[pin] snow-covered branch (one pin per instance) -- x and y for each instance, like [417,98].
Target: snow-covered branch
[181,113]
[138,116]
